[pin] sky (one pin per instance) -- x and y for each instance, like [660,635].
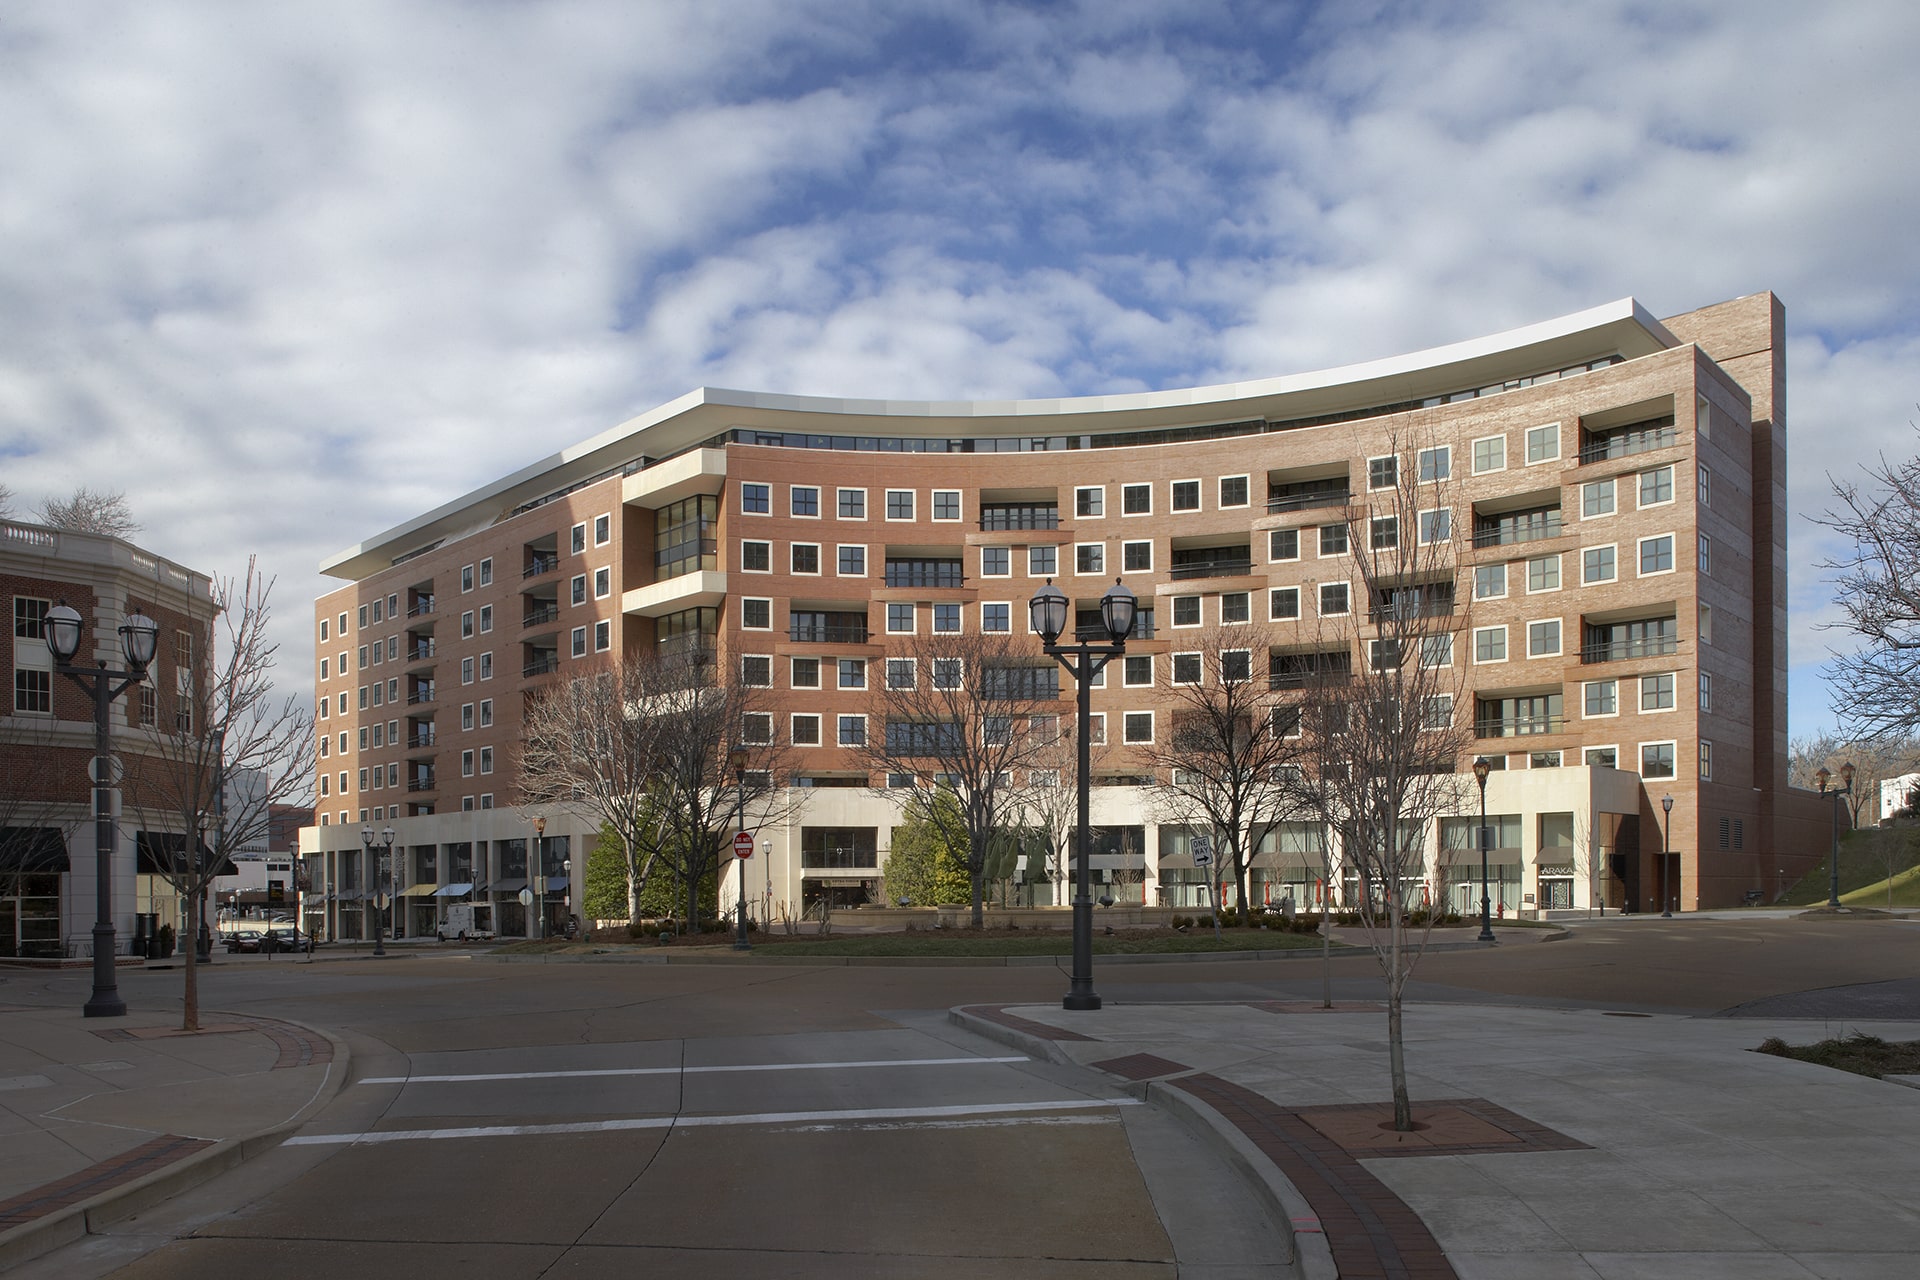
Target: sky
[290,274]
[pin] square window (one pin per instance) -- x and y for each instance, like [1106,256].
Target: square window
[1656,555]
[948,673]
[996,617]
[1236,666]
[853,504]
[578,542]
[996,562]
[1137,670]
[1656,487]
[852,561]
[900,618]
[1596,499]
[804,501]
[756,557]
[1283,544]
[1489,581]
[1656,692]
[1435,464]
[1543,443]
[1437,651]
[853,673]
[1043,561]
[579,588]
[900,673]
[1543,573]
[1597,565]
[1489,454]
[804,673]
[1436,526]
[756,728]
[1543,638]
[1090,557]
[1136,557]
[1283,604]
[1090,502]
[946,504]
[1236,606]
[1186,668]
[1186,495]
[756,615]
[1383,533]
[946,618]
[1233,491]
[805,731]
[1334,599]
[1136,499]
[1656,759]
[1602,698]
[1490,644]
[1384,654]
[853,731]
[602,583]
[899,504]
[806,558]
[579,642]
[1137,728]
[1333,540]
[33,691]
[1383,473]
[1601,757]
[1186,611]
[1436,711]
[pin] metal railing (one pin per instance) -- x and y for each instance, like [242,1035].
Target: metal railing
[1621,650]
[546,613]
[420,652]
[421,784]
[1217,568]
[541,666]
[925,575]
[1508,535]
[1624,444]
[1019,518]
[419,696]
[417,740]
[539,565]
[830,633]
[421,607]
[1401,609]
[1518,726]
[1308,501]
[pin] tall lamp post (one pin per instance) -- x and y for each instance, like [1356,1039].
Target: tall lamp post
[537,879]
[1833,825]
[737,761]
[1047,612]
[139,635]
[1666,852]
[1481,768]
[373,881]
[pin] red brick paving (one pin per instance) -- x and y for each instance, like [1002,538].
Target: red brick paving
[298,1046]
[95,1178]
[998,1013]
[1141,1066]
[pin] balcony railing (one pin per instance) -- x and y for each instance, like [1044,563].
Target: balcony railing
[926,575]
[540,616]
[1402,609]
[418,740]
[421,784]
[541,666]
[1226,567]
[1508,535]
[1621,650]
[419,696]
[1304,679]
[420,652]
[421,607]
[1020,518]
[539,565]
[1623,444]
[1518,726]
[1308,501]
[1096,632]
[830,633]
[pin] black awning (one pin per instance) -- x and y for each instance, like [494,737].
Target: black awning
[160,853]
[32,851]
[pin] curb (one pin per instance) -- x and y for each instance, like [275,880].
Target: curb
[35,1239]
[1288,1205]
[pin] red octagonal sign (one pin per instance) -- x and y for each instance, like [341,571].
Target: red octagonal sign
[743,845]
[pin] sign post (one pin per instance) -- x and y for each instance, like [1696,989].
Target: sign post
[742,850]
[1203,858]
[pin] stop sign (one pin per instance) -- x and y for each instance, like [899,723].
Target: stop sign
[743,845]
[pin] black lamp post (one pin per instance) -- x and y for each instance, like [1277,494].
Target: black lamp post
[1833,825]
[138,638]
[737,761]
[374,881]
[1481,768]
[1047,612]
[537,878]
[1666,851]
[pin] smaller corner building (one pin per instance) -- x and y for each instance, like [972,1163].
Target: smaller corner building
[1610,487]
[48,839]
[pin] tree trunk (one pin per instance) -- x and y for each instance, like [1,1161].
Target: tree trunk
[1326,942]
[979,890]
[190,1001]
[1396,1042]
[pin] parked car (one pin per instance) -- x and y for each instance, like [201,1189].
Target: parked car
[243,940]
[288,939]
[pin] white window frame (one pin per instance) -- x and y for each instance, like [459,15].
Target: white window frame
[1127,489]
[577,539]
[814,572]
[840,674]
[1035,549]
[1274,596]
[1673,677]
[1272,558]
[1173,612]
[913,615]
[1506,652]
[1246,599]
[1100,489]
[1638,488]
[1660,742]
[913,506]
[1136,542]
[839,498]
[577,643]
[754,542]
[794,491]
[603,529]
[988,604]
[1639,555]
[1097,729]
[1199,663]
[1220,497]
[793,724]
[1501,594]
[1599,715]
[1422,521]
[1585,581]
[840,723]
[1099,570]
[794,683]
[577,586]
[1534,433]
[1559,574]
[988,573]
[910,665]
[1706,760]
[1473,454]
[602,582]
[1199,496]
[840,548]
[1126,728]
[748,511]
[1706,691]
[1559,640]
[1227,679]
[959,502]
[744,602]
[1126,677]
[1383,457]
[1444,452]
[1437,640]
[1320,543]
[1320,600]
[1705,554]
[1611,487]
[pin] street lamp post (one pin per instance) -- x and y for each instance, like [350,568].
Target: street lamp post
[373,880]
[138,638]
[1822,777]
[1481,768]
[1666,852]
[1047,612]
[537,877]
[737,760]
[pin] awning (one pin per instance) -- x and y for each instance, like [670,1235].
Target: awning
[420,891]
[558,884]
[454,890]
[159,853]
[507,886]
[349,895]
[32,850]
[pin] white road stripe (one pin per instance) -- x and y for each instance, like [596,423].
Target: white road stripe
[691,1071]
[699,1122]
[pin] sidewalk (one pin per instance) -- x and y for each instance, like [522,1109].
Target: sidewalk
[1561,1145]
[101,1117]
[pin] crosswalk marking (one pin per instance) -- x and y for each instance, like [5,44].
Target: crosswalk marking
[690,1071]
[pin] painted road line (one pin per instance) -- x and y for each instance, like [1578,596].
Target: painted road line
[702,1122]
[691,1071]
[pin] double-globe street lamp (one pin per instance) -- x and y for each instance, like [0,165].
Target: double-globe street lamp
[737,761]
[1481,768]
[1048,611]
[1822,777]
[139,636]
[374,881]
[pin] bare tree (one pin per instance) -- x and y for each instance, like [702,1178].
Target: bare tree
[1382,723]
[965,713]
[222,721]
[1048,799]
[91,511]
[6,503]
[1874,760]
[1879,595]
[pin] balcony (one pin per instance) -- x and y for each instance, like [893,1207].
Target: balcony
[828,632]
[420,696]
[1622,650]
[421,608]
[420,741]
[1510,530]
[1627,441]
[539,564]
[423,783]
[541,616]
[926,573]
[422,651]
[1402,610]
[1518,726]
[546,664]
[997,518]
[1229,566]
[1279,503]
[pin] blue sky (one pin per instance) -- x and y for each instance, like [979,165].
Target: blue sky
[288,274]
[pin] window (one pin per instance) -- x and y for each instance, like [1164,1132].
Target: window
[33,691]
[804,673]
[1437,651]
[756,728]
[1236,665]
[1434,464]
[899,504]
[486,760]
[466,764]
[1097,729]
[1489,454]
[579,639]
[803,500]
[578,539]
[1656,487]
[1706,762]
[1705,491]
[1136,499]
[1602,757]
[900,618]
[996,562]
[756,615]
[1333,599]
[1384,532]
[1597,565]
[1283,544]
[1043,561]
[1186,669]
[602,530]
[1283,603]
[1596,499]
[756,499]
[852,561]
[1543,760]
[1333,540]
[1090,557]
[948,673]
[1656,555]
[1137,670]
[363,617]
[852,504]
[1137,727]
[946,504]
[1706,553]
[466,584]
[579,587]
[946,618]
[1186,611]
[486,572]
[1136,557]
[1233,491]
[1490,644]
[486,712]
[466,676]
[1656,692]
[1236,607]
[1602,698]
[853,673]
[486,625]
[1543,638]
[1383,473]
[466,630]
[323,668]
[806,558]
[1384,654]
[1436,711]
[804,730]
[1543,574]
[1656,759]
[1543,443]
[755,557]
[16,618]
[1706,691]
[486,666]
[1706,624]
[1436,526]
[852,731]
[900,673]
[996,617]
[1186,495]
[1090,502]
[1489,581]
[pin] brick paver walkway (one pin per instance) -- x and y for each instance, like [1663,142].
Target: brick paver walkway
[95,1178]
